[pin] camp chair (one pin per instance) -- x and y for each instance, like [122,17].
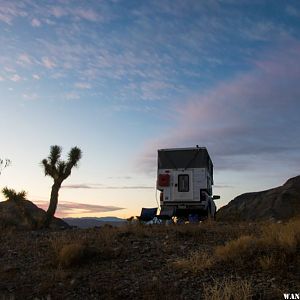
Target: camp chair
[147,214]
[166,213]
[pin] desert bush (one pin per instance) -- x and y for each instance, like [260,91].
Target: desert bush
[273,248]
[74,247]
[74,254]
[228,289]
[267,262]
[12,195]
[135,229]
[195,262]
[237,250]
[284,236]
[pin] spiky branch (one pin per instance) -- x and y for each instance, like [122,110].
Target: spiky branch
[4,163]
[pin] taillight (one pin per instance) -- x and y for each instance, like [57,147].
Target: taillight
[164,180]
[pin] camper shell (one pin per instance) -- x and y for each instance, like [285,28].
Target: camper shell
[185,179]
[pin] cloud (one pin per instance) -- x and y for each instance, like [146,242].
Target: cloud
[82,85]
[120,177]
[292,11]
[85,14]
[244,120]
[24,59]
[30,97]
[72,96]
[78,13]
[48,63]
[10,10]
[58,11]
[36,77]
[104,187]
[35,23]
[66,208]
[15,78]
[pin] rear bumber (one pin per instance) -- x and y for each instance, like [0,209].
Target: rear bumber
[185,209]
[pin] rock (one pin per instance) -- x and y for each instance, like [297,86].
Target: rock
[23,214]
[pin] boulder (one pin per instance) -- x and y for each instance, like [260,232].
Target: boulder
[23,214]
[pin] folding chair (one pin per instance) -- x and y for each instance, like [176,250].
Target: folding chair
[166,214]
[147,214]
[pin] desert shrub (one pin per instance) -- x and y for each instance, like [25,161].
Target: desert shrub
[135,230]
[196,261]
[228,289]
[74,254]
[273,248]
[237,250]
[190,230]
[74,247]
[267,262]
[284,236]
[12,195]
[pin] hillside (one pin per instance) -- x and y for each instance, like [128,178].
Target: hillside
[279,203]
[23,214]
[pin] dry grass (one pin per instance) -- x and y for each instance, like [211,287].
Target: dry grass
[195,262]
[135,229]
[267,262]
[74,248]
[228,289]
[74,254]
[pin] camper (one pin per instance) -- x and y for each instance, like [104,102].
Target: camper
[185,179]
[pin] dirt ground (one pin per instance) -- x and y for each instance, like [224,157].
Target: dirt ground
[134,262]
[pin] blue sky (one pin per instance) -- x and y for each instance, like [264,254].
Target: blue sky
[121,79]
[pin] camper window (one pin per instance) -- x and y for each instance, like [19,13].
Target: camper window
[183,183]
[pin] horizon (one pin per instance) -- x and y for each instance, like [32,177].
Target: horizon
[121,79]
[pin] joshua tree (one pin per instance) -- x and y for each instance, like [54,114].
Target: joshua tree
[12,195]
[4,163]
[59,170]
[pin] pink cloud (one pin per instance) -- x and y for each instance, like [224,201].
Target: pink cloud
[104,187]
[67,209]
[15,78]
[35,23]
[58,11]
[9,10]
[24,59]
[86,14]
[82,85]
[251,114]
[48,63]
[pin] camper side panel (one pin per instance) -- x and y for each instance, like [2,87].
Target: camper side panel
[200,182]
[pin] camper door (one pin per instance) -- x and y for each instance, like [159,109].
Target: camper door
[183,186]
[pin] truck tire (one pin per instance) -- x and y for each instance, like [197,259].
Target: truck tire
[209,214]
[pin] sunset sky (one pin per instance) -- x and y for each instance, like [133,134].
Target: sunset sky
[121,79]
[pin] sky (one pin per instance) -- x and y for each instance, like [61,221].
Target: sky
[121,79]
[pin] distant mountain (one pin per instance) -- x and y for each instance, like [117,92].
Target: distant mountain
[279,203]
[89,222]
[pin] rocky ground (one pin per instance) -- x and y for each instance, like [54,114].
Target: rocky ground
[132,262]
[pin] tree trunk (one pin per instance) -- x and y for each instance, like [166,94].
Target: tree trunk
[53,204]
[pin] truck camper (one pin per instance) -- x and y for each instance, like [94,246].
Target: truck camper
[185,180]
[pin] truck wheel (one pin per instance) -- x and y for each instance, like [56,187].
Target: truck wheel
[209,214]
